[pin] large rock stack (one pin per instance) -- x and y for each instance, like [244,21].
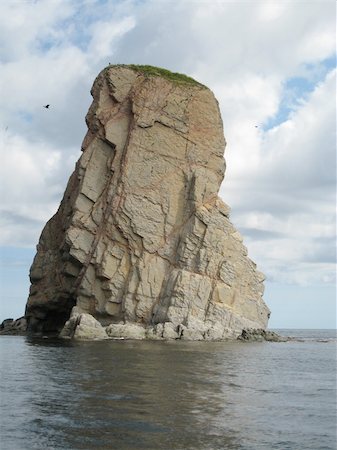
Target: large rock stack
[141,236]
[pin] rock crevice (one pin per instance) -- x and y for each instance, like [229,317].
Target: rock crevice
[141,235]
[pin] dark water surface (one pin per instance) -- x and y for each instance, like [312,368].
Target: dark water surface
[169,395]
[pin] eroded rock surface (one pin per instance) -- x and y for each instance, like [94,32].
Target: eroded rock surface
[141,236]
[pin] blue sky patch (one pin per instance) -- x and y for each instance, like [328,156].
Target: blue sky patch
[297,89]
[25,116]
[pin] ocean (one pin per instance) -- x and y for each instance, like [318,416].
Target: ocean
[169,395]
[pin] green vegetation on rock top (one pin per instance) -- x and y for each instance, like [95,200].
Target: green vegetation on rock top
[160,72]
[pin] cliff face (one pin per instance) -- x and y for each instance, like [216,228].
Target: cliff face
[141,235]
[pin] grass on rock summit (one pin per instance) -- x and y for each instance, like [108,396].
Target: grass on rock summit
[160,72]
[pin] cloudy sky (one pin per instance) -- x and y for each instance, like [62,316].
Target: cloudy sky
[271,65]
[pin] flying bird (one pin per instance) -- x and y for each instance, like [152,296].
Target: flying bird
[46,106]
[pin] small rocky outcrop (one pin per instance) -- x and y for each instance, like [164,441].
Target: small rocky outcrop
[141,237]
[13,327]
[259,335]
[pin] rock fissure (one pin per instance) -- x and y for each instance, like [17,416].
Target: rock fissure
[98,235]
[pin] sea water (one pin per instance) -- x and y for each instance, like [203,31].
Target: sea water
[169,395]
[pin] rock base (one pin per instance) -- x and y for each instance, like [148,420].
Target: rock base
[83,326]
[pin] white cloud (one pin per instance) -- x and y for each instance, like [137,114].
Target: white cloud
[303,144]
[105,36]
[26,165]
[271,11]
[27,25]
[290,191]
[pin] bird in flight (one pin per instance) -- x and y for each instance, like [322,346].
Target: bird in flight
[46,106]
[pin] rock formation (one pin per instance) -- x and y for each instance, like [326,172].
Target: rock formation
[256,335]
[141,237]
[13,327]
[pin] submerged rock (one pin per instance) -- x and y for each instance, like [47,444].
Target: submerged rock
[141,236]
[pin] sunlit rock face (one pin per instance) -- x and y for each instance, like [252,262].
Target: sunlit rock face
[141,236]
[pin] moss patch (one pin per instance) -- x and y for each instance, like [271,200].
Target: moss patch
[160,72]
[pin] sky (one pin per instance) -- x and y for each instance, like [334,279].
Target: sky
[272,67]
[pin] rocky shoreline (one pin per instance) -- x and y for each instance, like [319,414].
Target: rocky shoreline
[84,327]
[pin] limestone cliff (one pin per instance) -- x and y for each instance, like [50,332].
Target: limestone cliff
[141,235]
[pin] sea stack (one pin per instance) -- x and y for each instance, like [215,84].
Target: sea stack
[141,241]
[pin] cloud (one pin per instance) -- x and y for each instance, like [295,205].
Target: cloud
[33,177]
[28,26]
[268,63]
[105,36]
[290,189]
[303,144]
[18,230]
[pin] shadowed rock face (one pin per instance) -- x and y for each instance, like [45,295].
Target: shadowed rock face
[141,235]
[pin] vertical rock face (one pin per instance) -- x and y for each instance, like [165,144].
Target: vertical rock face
[141,235]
